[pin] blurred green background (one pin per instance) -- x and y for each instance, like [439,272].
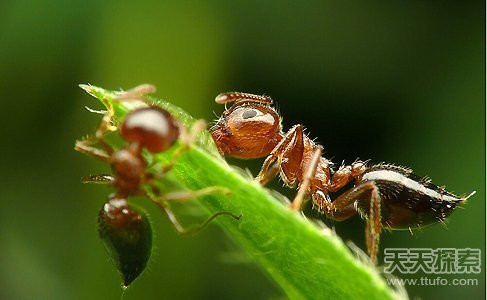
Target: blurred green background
[394,81]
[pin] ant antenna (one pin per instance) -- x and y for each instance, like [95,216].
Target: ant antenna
[245,97]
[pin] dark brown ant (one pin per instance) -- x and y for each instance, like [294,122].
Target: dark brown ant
[387,196]
[156,130]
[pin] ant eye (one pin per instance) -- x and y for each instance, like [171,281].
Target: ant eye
[249,114]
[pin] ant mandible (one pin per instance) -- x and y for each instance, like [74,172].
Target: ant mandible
[124,229]
[386,195]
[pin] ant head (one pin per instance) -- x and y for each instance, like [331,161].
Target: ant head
[249,129]
[151,127]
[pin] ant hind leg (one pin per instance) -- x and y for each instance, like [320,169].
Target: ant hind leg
[184,196]
[341,209]
[374,226]
[195,228]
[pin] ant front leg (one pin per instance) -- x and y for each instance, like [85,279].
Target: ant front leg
[105,124]
[308,176]
[86,145]
[343,208]
[292,146]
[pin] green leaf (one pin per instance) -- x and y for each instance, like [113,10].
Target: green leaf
[307,261]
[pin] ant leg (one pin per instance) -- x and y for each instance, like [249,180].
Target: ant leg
[98,179]
[310,173]
[324,205]
[270,173]
[187,140]
[374,226]
[295,149]
[105,124]
[197,228]
[160,202]
[137,93]
[265,175]
[84,146]
[185,196]
[340,209]
[345,174]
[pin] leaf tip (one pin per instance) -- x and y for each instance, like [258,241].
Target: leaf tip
[88,88]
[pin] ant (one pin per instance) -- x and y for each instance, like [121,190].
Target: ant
[386,195]
[155,130]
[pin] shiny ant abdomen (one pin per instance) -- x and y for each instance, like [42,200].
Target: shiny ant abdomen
[387,196]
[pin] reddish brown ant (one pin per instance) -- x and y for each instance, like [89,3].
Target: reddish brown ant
[125,230]
[387,196]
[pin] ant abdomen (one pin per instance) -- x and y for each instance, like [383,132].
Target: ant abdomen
[127,235]
[152,127]
[407,201]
